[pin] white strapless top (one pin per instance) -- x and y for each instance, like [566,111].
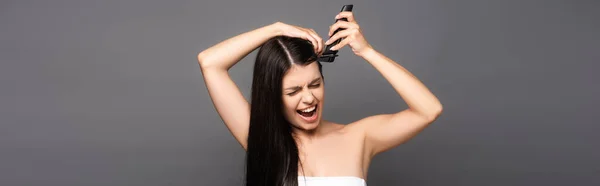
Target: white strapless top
[331,181]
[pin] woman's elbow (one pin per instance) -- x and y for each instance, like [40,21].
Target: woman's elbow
[435,112]
[203,60]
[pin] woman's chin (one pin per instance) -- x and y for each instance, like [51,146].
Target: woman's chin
[310,126]
[307,126]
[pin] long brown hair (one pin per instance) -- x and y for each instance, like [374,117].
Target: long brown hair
[272,154]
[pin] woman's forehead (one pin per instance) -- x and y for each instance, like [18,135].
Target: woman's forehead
[298,75]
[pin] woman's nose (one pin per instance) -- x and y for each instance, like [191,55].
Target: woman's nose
[308,98]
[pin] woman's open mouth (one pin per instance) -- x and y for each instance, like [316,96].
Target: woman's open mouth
[310,114]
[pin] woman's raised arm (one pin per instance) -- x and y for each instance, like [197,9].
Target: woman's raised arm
[218,59]
[385,131]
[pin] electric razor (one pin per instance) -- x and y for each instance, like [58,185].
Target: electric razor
[329,55]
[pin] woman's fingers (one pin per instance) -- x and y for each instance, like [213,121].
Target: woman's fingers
[314,39]
[307,34]
[351,34]
[319,40]
[342,24]
[338,35]
[342,43]
[310,37]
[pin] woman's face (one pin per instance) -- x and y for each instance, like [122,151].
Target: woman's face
[303,95]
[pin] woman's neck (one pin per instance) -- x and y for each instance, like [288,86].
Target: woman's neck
[308,136]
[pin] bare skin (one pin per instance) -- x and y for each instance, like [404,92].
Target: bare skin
[327,149]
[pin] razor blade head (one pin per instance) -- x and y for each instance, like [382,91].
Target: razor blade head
[328,58]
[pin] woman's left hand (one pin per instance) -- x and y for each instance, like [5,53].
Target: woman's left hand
[352,36]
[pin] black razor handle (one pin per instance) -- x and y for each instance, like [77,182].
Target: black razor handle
[329,55]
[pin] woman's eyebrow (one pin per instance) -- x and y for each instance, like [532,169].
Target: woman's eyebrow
[315,80]
[293,88]
[299,87]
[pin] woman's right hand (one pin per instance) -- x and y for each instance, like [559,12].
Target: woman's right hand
[304,33]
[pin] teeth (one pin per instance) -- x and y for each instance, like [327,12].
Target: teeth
[309,109]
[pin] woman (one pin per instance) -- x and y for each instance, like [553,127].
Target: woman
[286,140]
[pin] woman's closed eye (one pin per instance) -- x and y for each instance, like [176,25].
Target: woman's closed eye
[315,85]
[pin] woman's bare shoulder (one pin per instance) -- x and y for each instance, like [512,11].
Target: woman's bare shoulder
[342,129]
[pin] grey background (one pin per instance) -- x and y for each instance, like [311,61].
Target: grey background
[110,93]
